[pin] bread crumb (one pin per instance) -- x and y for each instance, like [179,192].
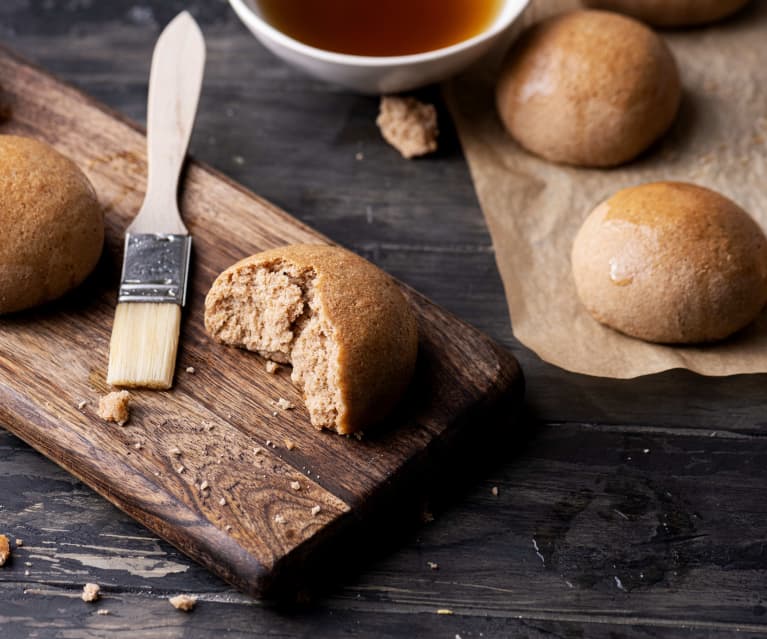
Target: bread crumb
[494,490]
[359,156]
[175,451]
[82,404]
[289,444]
[295,485]
[210,426]
[90,592]
[183,602]
[228,528]
[181,469]
[316,510]
[26,573]
[444,611]
[271,367]
[102,611]
[190,370]
[138,446]
[274,413]
[222,501]
[279,519]
[408,125]
[115,407]
[19,543]
[5,549]
[204,485]
[284,404]
[433,565]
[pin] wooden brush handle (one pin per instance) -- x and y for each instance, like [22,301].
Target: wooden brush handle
[174,91]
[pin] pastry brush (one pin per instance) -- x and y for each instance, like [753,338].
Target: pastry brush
[142,352]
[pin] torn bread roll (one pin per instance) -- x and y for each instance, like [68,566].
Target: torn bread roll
[672,263]
[341,322]
[672,13]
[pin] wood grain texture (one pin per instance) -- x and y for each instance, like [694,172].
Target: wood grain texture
[250,527]
[265,124]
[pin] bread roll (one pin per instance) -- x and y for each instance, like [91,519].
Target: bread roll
[341,322]
[588,88]
[52,224]
[672,263]
[671,13]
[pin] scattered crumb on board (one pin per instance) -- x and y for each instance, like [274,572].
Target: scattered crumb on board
[295,485]
[316,510]
[284,404]
[494,490]
[433,565]
[408,125]
[175,451]
[183,602]
[190,370]
[289,444]
[115,407]
[444,611]
[82,404]
[90,592]
[222,501]
[271,367]
[279,519]
[19,543]
[102,611]
[5,549]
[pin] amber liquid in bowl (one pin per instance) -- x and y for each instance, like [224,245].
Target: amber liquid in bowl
[380,27]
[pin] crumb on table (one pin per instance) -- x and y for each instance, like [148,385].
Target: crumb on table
[115,407]
[90,592]
[316,510]
[5,549]
[183,602]
[102,611]
[190,370]
[408,125]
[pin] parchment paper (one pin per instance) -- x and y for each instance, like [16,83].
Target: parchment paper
[534,208]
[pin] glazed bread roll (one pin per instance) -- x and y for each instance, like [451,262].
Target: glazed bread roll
[671,13]
[671,263]
[588,88]
[52,224]
[342,323]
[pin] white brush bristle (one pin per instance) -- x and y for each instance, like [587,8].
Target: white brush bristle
[142,352]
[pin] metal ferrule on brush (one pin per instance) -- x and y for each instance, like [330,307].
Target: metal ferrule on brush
[155,268]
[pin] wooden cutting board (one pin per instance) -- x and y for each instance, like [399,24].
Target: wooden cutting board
[252,526]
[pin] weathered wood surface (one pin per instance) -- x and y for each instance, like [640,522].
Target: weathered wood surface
[250,526]
[265,125]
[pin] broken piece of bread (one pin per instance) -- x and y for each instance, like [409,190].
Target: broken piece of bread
[90,592]
[183,602]
[5,549]
[342,323]
[115,407]
[408,125]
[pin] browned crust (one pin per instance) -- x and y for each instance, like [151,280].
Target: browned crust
[671,13]
[374,326]
[670,262]
[53,226]
[588,88]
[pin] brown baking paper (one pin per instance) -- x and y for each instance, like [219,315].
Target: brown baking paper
[534,208]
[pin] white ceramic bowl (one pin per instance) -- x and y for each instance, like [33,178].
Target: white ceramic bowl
[379,74]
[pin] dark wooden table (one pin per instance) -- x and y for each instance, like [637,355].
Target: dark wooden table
[627,509]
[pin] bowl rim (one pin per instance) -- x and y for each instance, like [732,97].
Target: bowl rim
[509,11]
